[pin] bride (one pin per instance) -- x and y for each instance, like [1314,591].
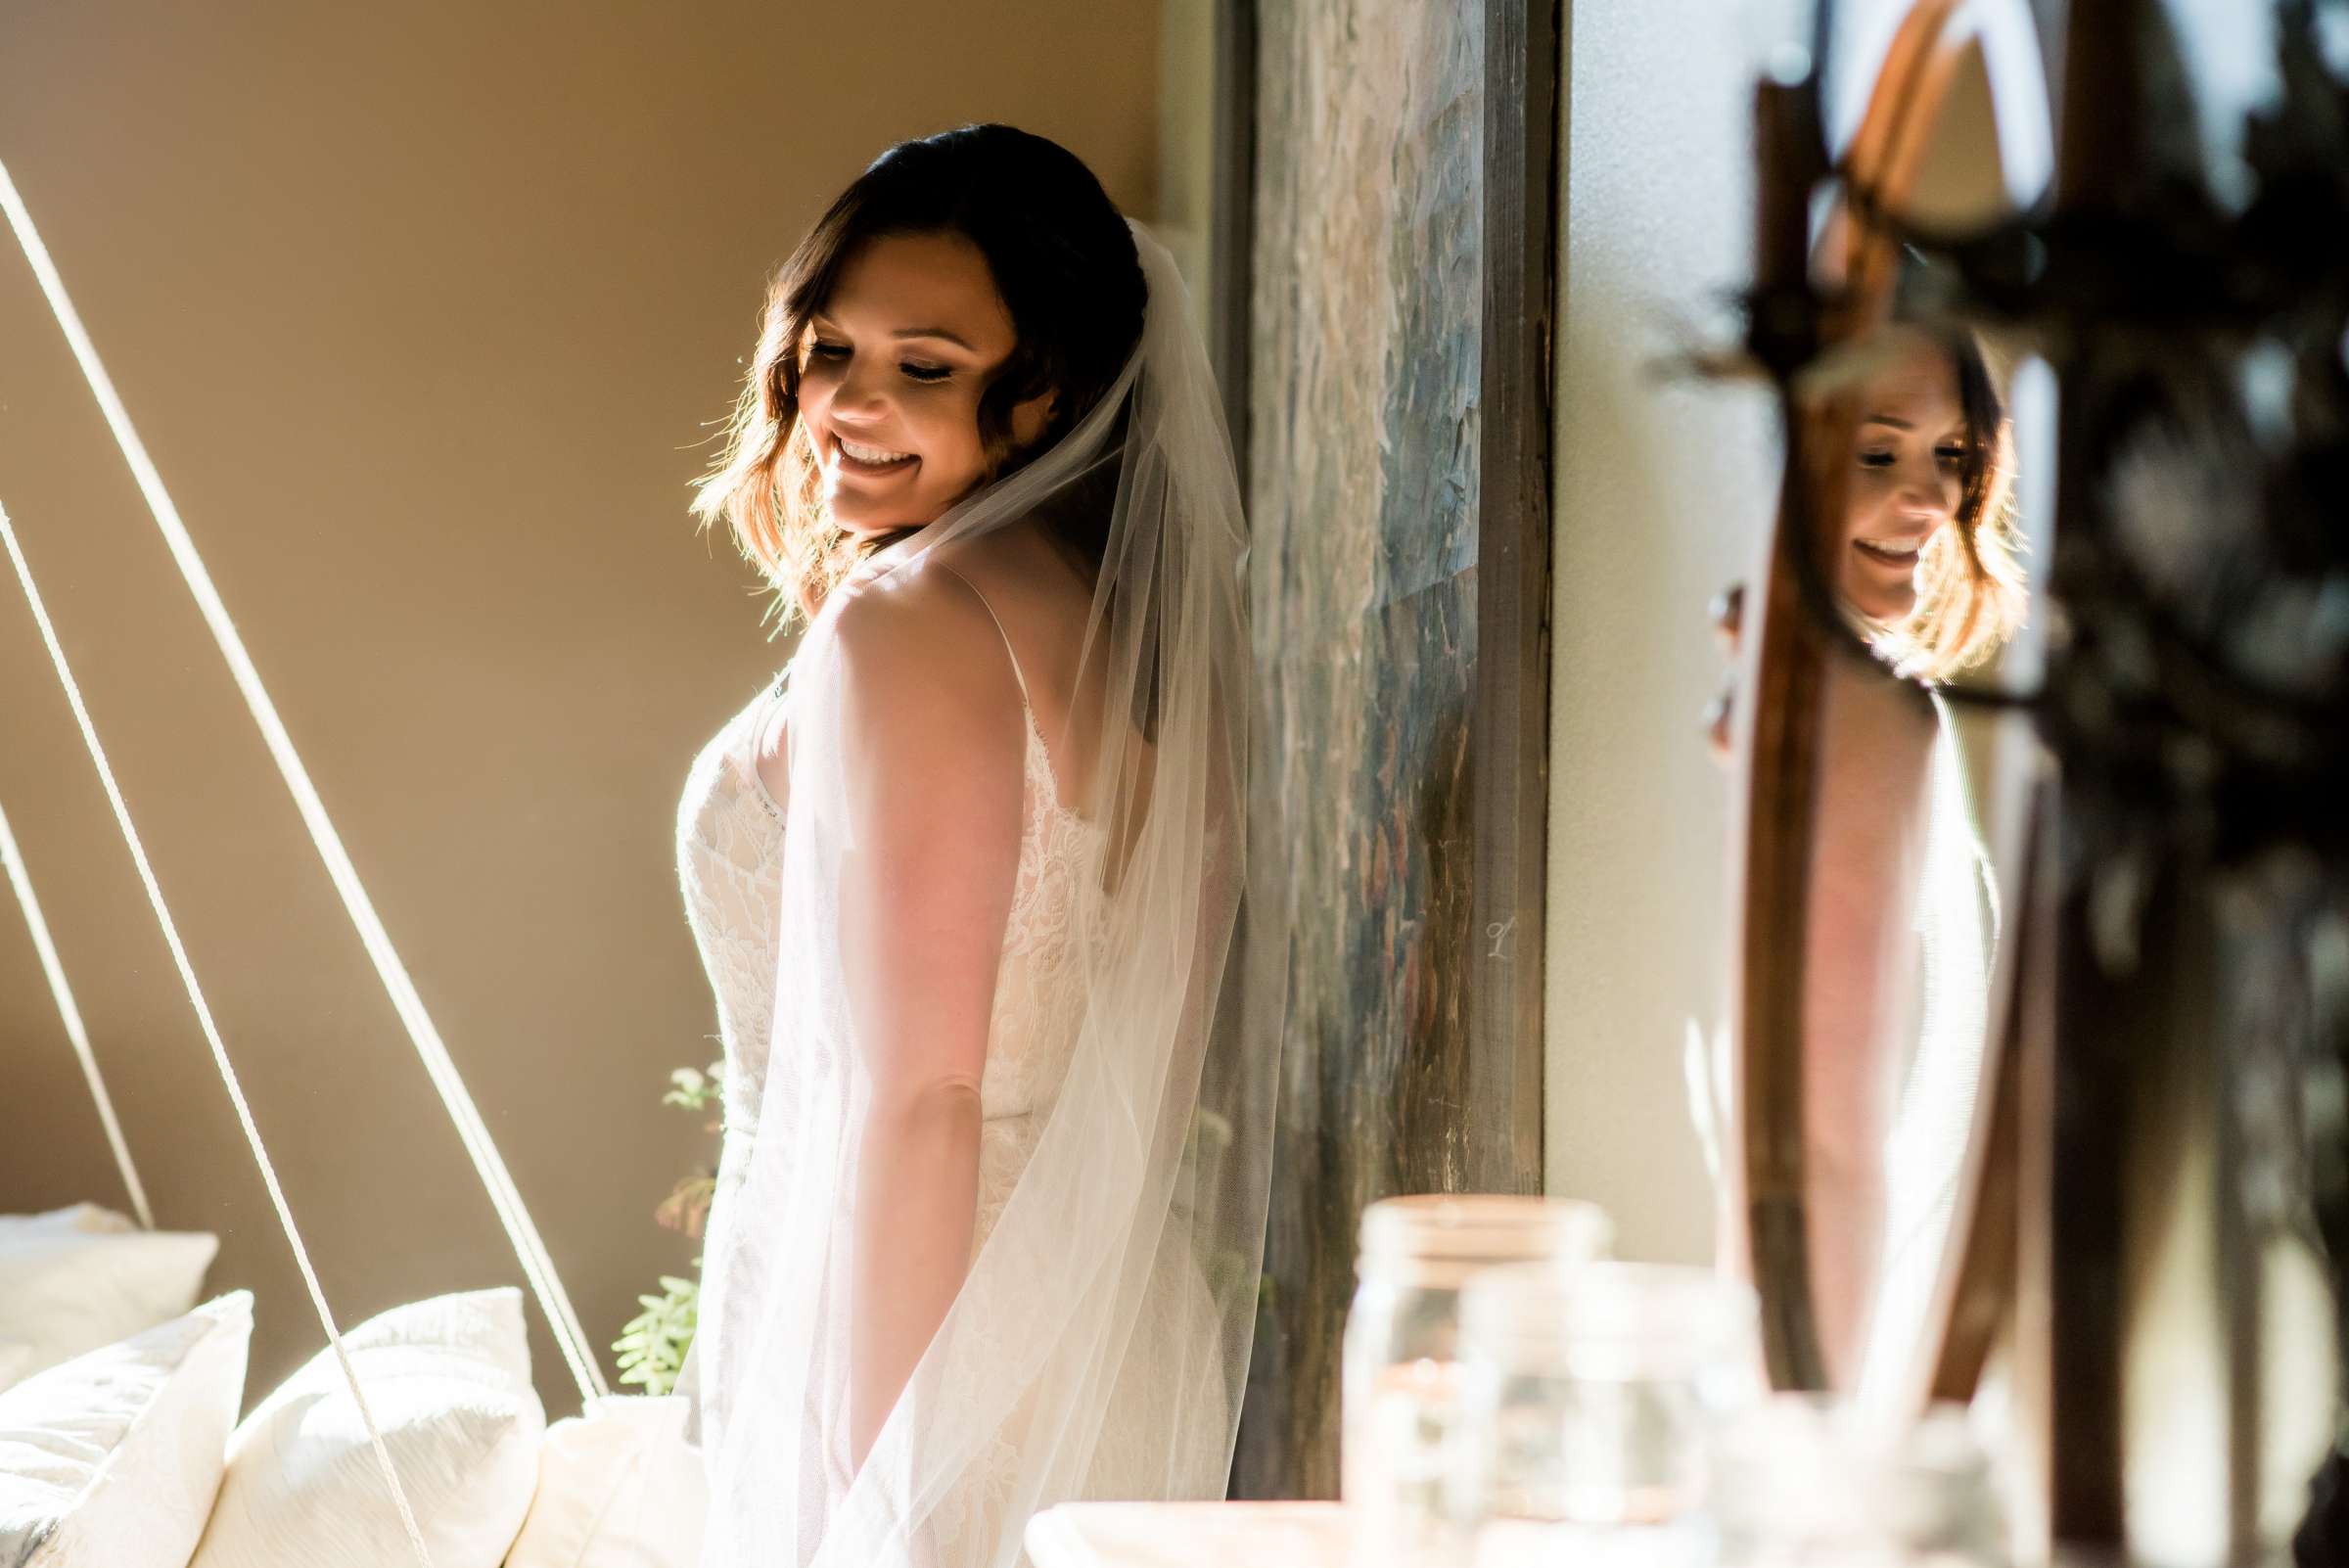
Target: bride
[990,1198]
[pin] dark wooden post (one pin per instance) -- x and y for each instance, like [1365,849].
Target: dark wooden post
[1399,493]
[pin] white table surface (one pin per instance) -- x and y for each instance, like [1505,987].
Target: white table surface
[1185,1534]
[1313,1535]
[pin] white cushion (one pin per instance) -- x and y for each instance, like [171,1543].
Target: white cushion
[74,1279]
[110,1460]
[448,1382]
[617,1488]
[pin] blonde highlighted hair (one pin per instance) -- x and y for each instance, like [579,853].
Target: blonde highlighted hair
[1970,586]
[764,485]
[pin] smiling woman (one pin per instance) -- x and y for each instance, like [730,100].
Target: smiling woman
[1912,441]
[890,379]
[1925,556]
[925,339]
[470,298]
[987,1224]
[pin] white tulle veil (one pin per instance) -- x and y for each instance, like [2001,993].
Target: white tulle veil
[1150,1170]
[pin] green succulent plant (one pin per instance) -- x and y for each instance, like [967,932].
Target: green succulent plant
[650,1348]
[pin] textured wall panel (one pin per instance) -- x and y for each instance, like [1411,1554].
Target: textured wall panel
[1364,377]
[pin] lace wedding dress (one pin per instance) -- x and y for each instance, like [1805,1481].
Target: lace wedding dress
[731,832]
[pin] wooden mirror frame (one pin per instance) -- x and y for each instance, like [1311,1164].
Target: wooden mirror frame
[1813,296]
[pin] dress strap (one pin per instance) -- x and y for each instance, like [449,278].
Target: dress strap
[1000,631]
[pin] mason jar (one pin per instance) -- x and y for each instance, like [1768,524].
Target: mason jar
[1402,1392]
[1591,1396]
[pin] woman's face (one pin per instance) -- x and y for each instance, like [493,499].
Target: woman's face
[1904,483]
[891,372]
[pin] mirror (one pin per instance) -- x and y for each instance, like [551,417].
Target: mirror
[1884,810]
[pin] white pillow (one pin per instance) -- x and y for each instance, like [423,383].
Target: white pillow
[110,1460]
[448,1381]
[16,1362]
[74,1279]
[617,1488]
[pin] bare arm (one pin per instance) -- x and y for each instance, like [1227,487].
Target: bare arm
[936,739]
[1861,965]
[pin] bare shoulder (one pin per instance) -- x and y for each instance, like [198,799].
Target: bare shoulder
[1044,598]
[921,653]
[1019,569]
[889,616]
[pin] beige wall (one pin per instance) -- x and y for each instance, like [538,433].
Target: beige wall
[1662,490]
[422,310]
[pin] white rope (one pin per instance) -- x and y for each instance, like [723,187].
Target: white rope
[536,1264]
[211,1031]
[20,879]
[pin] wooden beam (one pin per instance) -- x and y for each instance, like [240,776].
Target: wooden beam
[1509,736]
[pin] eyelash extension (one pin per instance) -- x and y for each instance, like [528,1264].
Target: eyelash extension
[1941,454]
[928,375]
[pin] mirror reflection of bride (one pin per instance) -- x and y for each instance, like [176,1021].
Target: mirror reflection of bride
[1902,917]
[965,883]
[1904,910]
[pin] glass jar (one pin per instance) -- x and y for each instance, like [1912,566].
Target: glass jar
[1401,1356]
[1589,1395]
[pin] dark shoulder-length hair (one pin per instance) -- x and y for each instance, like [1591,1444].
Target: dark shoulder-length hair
[1064,264]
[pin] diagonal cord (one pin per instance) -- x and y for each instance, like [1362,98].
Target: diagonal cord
[212,1030]
[488,1165]
[20,878]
